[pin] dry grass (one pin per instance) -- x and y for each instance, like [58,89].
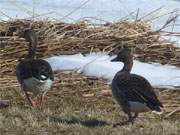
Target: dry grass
[77,104]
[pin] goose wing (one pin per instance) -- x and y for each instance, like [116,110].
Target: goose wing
[41,69]
[23,70]
[37,68]
[137,88]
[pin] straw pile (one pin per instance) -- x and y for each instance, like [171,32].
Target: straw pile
[62,38]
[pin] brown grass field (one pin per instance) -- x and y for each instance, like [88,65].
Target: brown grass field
[76,104]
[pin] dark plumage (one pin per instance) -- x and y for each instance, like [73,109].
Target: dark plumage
[133,92]
[34,75]
[34,68]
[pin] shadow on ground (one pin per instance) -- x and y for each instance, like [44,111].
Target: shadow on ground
[88,123]
[3,105]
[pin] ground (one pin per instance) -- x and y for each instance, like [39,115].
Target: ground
[79,105]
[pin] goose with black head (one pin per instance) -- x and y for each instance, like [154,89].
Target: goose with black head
[34,75]
[133,92]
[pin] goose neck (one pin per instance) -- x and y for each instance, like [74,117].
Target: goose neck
[128,66]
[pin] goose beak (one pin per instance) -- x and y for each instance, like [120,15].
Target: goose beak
[115,59]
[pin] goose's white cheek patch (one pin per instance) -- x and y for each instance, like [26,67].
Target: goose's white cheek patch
[43,77]
[35,85]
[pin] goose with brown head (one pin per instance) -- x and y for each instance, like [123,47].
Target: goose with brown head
[133,92]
